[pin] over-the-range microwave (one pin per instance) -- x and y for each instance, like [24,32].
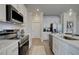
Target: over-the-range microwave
[13,14]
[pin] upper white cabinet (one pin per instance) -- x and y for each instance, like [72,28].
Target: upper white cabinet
[2,12]
[15,6]
[19,7]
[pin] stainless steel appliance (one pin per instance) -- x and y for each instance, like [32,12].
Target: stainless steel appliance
[13,15]
[23,43]
[8,34]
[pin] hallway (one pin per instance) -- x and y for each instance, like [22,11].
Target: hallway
[39,48]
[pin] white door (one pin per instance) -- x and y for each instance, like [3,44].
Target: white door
[36,30]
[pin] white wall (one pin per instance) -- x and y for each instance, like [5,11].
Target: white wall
[50,19]
[29,27]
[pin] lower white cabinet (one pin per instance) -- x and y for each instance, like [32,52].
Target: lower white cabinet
[74,51]
[12,50]
[63,48]
[3,52]
[55,45]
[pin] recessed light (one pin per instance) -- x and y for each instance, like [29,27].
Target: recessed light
[70,12]
[37,9]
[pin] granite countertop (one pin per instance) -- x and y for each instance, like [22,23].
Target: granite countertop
[74,43]
[6,43]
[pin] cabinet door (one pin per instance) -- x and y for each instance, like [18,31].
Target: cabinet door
[3,52]
[73,50]
[60,47]
[15,6]
[13,49]
[63,48]
[2,12]
[55,45]
[21,8]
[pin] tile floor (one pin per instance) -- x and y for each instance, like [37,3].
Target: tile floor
[39,48]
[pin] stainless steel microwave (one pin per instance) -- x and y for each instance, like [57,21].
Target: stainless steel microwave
[13,15]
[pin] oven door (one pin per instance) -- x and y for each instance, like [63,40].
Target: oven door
[24,50]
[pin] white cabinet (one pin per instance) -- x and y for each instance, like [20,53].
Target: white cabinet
[12,50]
[56,46]
[15,6]
[19,7]
[61,47]
[45,35]
[73,50]
[2,12]
[3,52]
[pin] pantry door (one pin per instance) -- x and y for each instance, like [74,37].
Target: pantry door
[36,30]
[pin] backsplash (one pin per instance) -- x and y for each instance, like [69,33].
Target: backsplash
[5,25]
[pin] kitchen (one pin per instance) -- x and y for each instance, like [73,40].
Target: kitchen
[39,29]
[13,36]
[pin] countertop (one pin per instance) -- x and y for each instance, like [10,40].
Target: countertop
[6,43]
[74,43]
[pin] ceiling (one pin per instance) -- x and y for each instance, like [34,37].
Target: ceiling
[53,9]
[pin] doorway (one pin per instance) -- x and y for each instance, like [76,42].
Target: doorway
[36,30]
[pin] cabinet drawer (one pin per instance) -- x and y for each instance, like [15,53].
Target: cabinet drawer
[13,49]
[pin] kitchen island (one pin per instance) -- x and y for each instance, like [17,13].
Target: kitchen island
[62,46]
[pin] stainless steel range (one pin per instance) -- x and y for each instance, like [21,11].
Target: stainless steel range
[24,45]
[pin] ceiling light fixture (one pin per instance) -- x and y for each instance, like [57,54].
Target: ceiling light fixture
[37,9]
[70,12]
